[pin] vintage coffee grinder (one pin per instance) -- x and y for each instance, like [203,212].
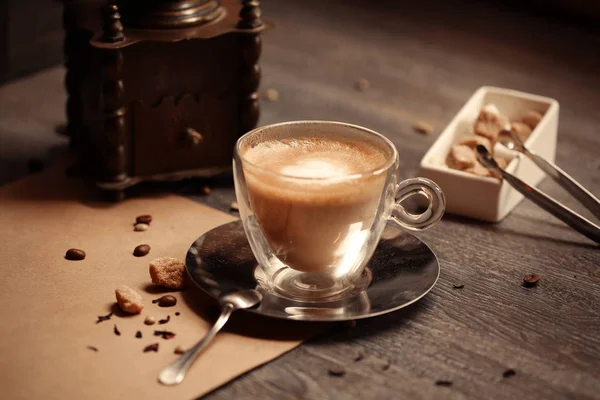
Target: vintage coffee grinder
[159,89]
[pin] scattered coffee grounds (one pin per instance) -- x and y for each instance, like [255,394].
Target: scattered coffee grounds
[141,250]
[441,382]
[508,373]
[458,286]
[234,206]
[143,219]
[75,255]
[104,318]
[151,347]
[140,227]
[337,371]
[206,190]
[164,321]
[359,357]
[150,320]
[423,127]
[166,301]
[530,280]
[386,366]
[138,334]
[116,331]
[271,95]
[92,348]
[179,350]
[164,334]
[362,84]
[177,313]
[35,165]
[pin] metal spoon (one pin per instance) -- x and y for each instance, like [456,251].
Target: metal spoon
[512,142]
[174,373]
[568,216]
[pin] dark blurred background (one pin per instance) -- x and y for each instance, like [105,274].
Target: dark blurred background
[31,31]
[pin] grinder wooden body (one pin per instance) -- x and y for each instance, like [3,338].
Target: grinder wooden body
[159,89]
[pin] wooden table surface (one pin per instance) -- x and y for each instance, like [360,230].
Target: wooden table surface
[423,63]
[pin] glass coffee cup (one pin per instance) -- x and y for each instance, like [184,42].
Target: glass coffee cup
[314,198]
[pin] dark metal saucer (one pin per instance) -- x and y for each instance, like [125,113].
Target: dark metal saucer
[403,270]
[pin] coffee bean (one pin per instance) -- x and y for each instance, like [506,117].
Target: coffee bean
[508,373]
[179,350]
[75,255]
[177,313]
[144,219]
[337,371]
[140,227]
[362,84]
[530,280]
[150,320]
[166,301]
[141,250]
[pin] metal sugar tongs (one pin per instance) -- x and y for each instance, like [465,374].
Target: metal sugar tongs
[581,224]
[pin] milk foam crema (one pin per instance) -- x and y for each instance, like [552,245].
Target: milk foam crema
[315,157]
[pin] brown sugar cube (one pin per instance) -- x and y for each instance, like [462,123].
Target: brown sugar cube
[168,272]
[129,300]
[532,118]
[521,129]
[502,163]
[461,157]
[479,170]
[473,141]
[490,122]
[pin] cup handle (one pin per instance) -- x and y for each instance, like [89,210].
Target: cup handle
[435,209]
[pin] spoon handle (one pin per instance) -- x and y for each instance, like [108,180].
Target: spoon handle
[568,216]
[174,373]
[587,199]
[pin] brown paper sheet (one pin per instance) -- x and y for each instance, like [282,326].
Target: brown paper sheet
[49,304]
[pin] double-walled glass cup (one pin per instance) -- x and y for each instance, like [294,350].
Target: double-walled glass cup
[313,235]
